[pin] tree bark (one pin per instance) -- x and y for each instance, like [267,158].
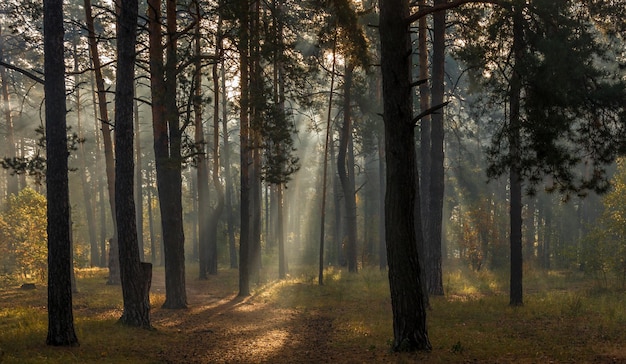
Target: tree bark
[60,316]
[167,151]
[135,277]
[407,300]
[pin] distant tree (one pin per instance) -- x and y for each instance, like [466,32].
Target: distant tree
[107,139]
[60,316]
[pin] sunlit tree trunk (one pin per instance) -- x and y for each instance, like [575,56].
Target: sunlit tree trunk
[60,316]
[107,140]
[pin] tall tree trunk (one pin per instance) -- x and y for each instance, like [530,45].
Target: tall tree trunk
[425,129]
[327,145]
[12,180]
[245,151]
[100,182]
[382,246]
[230,218]
[138,184]
[153,245]
[60,316]
[167,151]
[343,168]
[204,236]
[407,299]
[91,223]
[257,104]
[107,140]
[135,277]
[515,180]
[214,218]
[435,213]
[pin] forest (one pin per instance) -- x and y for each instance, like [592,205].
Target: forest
[212,181]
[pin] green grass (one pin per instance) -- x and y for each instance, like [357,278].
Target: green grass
[566,318]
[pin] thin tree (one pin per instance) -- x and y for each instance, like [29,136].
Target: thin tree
[107,140]
[60,316]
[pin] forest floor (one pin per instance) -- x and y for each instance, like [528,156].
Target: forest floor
[566,318]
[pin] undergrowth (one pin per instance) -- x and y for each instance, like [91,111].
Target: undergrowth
[565,318]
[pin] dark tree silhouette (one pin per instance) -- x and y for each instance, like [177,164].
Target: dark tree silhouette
[60,315]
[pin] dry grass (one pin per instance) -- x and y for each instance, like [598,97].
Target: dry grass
[565,319]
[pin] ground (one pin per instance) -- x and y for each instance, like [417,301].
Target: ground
[229,329]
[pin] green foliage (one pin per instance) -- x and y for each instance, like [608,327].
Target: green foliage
[572,106]
[23,235]
[604,248]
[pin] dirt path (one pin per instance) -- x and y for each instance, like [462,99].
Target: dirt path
[228,329]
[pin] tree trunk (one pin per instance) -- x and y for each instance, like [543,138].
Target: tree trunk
[204,236]
[60,316]
[214,217]
[138,184]
[382,246]
[230,218]
[89,211]
[167,151]
[516,291]
[12,180]
[425,127]
[344,168]
[114,277]
[135,277]
[245,152]
[407,300]
[435,214]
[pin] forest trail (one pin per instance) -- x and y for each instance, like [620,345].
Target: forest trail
[219,327]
